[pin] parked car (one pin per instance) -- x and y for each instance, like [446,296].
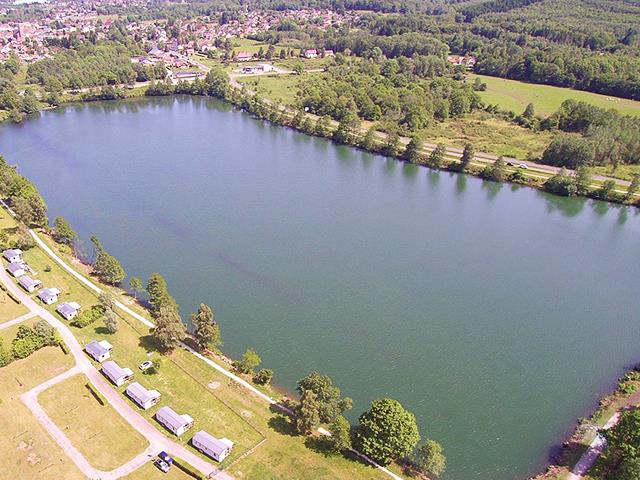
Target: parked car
[524,166]
[163,462]
[145,365]
[511,164]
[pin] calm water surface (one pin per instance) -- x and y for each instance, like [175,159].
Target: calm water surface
[497,314]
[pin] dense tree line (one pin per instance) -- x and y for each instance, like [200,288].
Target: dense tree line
[22,196]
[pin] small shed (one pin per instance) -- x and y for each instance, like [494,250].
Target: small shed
[49,296]
[29,284]
[172,421]
[216,448]
[13,255]
[143,397]
[17,269]
[114,372]
[68,310]
[99,351]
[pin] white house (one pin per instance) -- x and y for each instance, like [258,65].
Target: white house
[114,372]
[17,269]
[28,283]
[176,424]
[68,309]
[13,255]
[310,53]
[218,449]
[99,351]
[49,296]
[143,397]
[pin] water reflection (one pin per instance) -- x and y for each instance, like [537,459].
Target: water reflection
[410,171]
[433,177]
[600,208]
[461,183]
[569,207]
[492,188]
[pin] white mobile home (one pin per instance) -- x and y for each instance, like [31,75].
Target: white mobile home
[143,397]
[29,284]
[99,351]
[114,372]
[13,255]
[49,296]
[216,448]
[176,424]
[68,309]
[17,269]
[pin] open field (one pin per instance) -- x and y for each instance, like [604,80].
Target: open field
[515,96]
[279,88]
[488,134]
[150,472]
[8,308]
[104,438]
[26,450]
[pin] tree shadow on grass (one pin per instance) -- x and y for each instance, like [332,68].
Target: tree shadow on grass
[320,445]
[148,343]
[102,331]
[281,423]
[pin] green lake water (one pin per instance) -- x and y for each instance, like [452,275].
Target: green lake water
[497,314]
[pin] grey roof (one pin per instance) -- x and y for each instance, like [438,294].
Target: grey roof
[172,418]
[95,349]
[10,252]
[213,444]
[140,393]
[47,293]
[27,282]
[115,371]
[13,267]
[66,309]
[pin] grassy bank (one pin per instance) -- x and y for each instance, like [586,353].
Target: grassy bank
[515,96]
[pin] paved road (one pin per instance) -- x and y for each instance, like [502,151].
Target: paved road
[157,441]
[16,321]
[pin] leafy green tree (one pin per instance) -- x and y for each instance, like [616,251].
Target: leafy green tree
[628,470]
[561,184]
[63,233]
[307,416]
[606,190]
[110,321]
[468,154]
[107,300]
[529,112]
[5,356]
[158,294]
[49,334]
[298,118]
[136,285]
[413,152]
[392,145]
[369,140]
[26,342]
[263,377]
[624,438]
[249,361]
[386,431]
[436,157]
[340,439]
[429,459]
[496,171]
[569,151]
[298,68]
[106,266]
[633,188]
[205,329]
[169,330]
[329,396]
[323,126]
[583,180]
[347,130]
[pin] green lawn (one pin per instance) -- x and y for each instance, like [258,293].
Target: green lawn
[279,88]
[104,437]
[515,96]
[26,450]
[8,308]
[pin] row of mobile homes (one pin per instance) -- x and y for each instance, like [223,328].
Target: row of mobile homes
[68,310]
[216,448]
[172,421]
[143,397]
[99,351]
[114,372]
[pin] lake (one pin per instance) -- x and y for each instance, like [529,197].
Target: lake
[498,314]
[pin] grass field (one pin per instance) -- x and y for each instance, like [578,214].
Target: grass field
[26,450]
[515,96]
[150,472]
[279,88]
[8,308]
[8,334]
[104,438]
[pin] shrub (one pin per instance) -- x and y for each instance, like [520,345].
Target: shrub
[88,317]
[263,377]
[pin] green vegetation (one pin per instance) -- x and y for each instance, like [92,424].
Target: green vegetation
[106,267]
[63,233]
[429,459]
[249,361]
[205,329]
[386,432]
[514,95]
[104,438]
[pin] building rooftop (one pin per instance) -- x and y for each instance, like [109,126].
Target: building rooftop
[142,394]
[216,445]
[114,371]
[174,419]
